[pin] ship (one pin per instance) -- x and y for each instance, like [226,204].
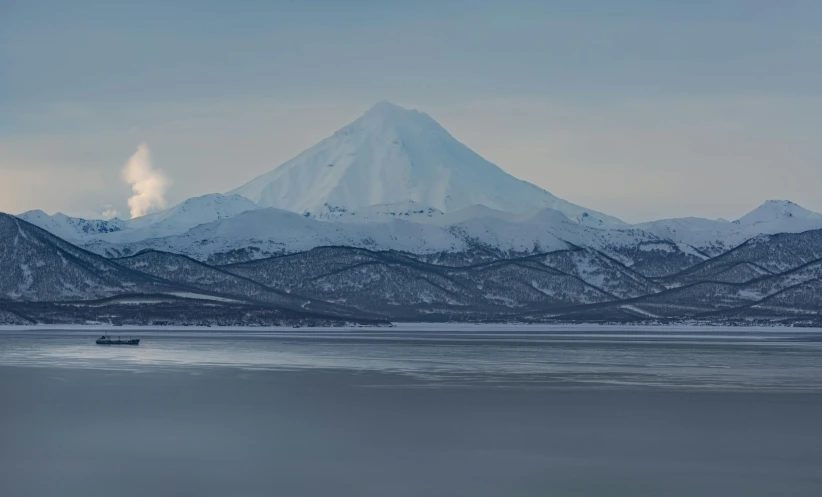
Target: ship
[107,340]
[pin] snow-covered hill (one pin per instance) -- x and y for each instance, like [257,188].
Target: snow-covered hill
[392,155]
[394,179]
[715,237]
[775,278]
[72,228]
[172,221]
[183,216]
[265,232]
[35,265]
[408,210]
[275,231]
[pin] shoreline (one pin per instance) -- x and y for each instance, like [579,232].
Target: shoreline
[423,327]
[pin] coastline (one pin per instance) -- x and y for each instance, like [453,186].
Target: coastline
[424,327]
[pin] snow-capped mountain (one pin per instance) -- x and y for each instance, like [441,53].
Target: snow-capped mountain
[172,221]
[408,210]
[393,215]
[275,231]
[715,237]
[265,232]
[399,181]
[780,214]
[198,210]
[72,228]
[46,279]
[183,216]
[37,265]
[392,155]
[771,278]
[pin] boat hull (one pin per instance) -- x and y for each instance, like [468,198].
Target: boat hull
[107,341]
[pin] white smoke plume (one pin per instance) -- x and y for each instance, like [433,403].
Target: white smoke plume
[109,212]
[148,184]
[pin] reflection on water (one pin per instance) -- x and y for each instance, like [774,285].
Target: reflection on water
[686,357]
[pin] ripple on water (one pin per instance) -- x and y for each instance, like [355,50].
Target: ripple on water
[704,359]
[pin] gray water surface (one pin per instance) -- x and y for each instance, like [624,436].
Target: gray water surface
[412,412]
[702,358]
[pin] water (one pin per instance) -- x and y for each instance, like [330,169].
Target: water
[703,358]
[413,411]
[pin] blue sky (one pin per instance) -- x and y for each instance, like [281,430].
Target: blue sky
[639,109]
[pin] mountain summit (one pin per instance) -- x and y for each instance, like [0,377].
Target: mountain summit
[392,155]
[778,210]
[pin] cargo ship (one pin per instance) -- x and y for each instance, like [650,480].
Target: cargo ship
[107,340]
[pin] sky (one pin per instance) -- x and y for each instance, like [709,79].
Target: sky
[639,109]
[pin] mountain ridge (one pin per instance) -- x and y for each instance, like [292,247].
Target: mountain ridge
[392,211]
[361,285]
[391,154]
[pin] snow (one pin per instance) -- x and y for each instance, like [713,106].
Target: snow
[27,281]
[275,231]
[196,211]
[780,212]
[714,237]
[660,247]
[636,309]
[547,291]
[394,179]
[71,228]
[391,155]
[200,296]
[408,210]
[173,221]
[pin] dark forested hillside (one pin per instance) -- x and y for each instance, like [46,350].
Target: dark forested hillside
[775,278]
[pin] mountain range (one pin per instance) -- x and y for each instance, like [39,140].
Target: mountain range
[392,218]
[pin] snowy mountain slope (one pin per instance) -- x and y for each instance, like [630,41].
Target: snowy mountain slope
[798,301]
[790,293]
[46,279]
[9,317]
[740,272]
[266,232]
[602,272]
[521,284]
[765,254]
[408,210]
[709,236]
[182,217]
[401,287]
[547,230]
[783,212]
[362,279]
[166,310]
[193,212]
[270,231]
[391,155]
[72,228]
[36,265]
[172,221]
[706,298]
[183,270]
[716,237]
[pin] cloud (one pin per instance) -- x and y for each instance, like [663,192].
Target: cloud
[109,212]
[148,184]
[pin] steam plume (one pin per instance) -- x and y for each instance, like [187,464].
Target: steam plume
[109,212]
[148,184]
